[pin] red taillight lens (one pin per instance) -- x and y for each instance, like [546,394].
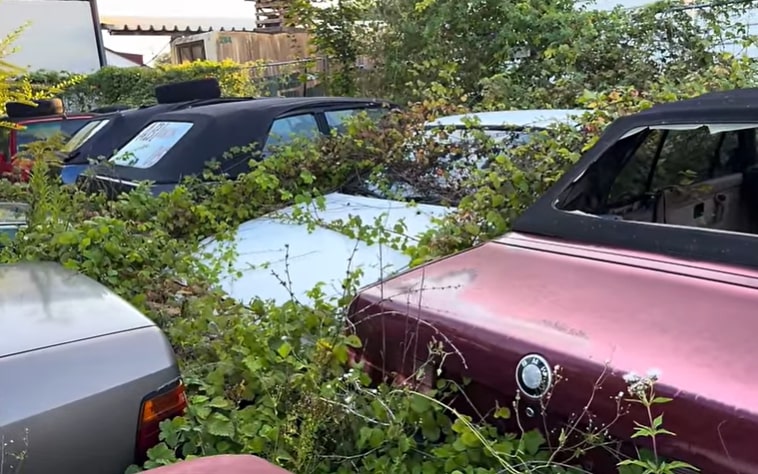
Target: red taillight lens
[163,405]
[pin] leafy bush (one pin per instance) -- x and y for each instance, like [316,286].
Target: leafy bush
[135,86]
[279,380]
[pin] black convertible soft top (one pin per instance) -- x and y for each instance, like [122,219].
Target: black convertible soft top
[546,219]
[123,125]
[220,127]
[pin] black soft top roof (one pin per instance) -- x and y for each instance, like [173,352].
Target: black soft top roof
[723,106]
[41,118]
[219,127]
[125,124]
[545,219]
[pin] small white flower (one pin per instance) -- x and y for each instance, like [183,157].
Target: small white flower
[631,378]
[654,374]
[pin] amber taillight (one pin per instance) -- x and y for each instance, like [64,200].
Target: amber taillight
[163,405]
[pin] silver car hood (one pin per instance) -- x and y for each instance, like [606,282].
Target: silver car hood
[43,305]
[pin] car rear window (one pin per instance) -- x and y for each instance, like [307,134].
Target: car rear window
[286,129]
[151,144]
[38,131]
[84,134]
[337,118]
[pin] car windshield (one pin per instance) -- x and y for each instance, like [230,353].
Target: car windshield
[448,171]
[84,134]
[151,144]
[37,131]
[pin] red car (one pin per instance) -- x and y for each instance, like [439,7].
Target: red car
[222,464]
[642,258]
[39,123]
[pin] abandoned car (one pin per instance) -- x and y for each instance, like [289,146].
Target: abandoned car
[174,145]
[85,375]
[108,132]
[276,248]
[642,257]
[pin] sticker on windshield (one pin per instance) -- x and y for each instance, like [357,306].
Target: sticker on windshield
[151,144]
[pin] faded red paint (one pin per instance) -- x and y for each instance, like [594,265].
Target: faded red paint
[222,464]
[586,308]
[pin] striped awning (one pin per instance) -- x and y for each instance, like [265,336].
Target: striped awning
[139,25]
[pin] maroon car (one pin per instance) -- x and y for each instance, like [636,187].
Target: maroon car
[643,257]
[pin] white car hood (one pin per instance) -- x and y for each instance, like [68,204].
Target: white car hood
[302,258]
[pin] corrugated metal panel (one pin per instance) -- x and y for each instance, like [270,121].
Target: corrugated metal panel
[134,25]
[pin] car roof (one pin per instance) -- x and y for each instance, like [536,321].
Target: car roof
[48,118]
[533,118]
[545,219]
[720,105]
[221,121]
[123,125]
[271,106]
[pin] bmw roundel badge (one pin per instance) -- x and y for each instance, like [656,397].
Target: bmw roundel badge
[533,376]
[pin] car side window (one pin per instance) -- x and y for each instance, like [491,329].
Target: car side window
[686,157]
[337,119]
[286,129]
[631,182]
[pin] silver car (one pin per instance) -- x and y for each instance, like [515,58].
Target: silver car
[85,378]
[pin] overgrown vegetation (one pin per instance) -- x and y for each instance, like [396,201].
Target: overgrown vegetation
[276,379]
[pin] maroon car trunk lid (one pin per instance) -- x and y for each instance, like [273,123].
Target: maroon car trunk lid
[592,311]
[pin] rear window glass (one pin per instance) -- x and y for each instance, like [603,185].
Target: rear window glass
[151,144]
[337,118]
[44,130]
[84,134]
[287,129]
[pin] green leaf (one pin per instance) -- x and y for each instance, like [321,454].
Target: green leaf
[162,454]
[470,439]
[354,341]
[219,425]
[220,402]
[658,421]
[503,413]
[532,441]
[284,350]
[658,400]
[420,404]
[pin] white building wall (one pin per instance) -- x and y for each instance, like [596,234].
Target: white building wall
[118,61]
[60,35]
